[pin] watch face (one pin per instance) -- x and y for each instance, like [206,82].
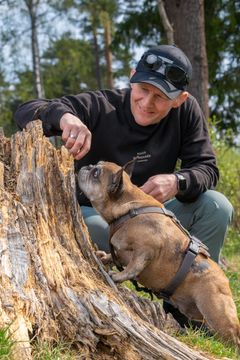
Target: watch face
[182,182]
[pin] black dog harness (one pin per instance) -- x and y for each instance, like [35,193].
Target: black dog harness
[194,247]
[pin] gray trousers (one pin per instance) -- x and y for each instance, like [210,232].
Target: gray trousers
[207,218]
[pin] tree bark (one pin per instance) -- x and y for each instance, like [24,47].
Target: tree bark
[52,285]
[166,23]
[187,19]
[106,23]
[97,57]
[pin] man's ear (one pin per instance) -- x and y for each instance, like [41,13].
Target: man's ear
[115,186]
[132,72]
[180,99]
[129,166]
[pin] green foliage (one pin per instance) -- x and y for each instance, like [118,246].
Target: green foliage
[228,159]
[6,344]
[222,19]
[140,25]
[7,104]
[68,67]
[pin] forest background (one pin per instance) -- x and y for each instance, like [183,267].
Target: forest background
[51,48]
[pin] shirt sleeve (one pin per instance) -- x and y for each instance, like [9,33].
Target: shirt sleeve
[198,160]
[85,106]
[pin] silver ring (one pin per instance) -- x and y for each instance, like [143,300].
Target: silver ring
[73,136]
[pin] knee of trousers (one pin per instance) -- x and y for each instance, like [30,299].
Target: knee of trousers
[216,204]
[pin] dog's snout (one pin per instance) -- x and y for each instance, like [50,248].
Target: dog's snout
[87,167]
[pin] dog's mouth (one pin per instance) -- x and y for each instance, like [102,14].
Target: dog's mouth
[88,174]
[93,171]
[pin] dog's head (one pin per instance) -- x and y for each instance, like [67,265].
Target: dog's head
[105,180]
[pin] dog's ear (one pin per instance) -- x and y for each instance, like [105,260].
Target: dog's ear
[115,186]
[129,166]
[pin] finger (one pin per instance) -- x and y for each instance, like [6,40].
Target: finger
[69,144]
[76,138]
[81,146]
[72,131]
[85,148]
[65,133]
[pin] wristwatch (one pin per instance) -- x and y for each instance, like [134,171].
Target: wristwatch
[181,182]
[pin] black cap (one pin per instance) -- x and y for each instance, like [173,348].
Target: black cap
[166,67]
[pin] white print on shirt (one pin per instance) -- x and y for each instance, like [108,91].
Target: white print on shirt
[143,156]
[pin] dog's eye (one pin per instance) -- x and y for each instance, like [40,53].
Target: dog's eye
[96,173]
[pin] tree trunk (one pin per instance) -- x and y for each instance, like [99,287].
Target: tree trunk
[52,285]
[38,85]
[166,23]
[97,57]
[187,19]
[106,23]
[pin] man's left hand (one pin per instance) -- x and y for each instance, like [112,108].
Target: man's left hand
[162,187]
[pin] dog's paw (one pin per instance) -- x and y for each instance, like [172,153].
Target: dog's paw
[114,275]
[104,257]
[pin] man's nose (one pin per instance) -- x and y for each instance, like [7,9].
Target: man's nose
[148,100]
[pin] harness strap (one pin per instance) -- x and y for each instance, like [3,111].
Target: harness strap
[192,251]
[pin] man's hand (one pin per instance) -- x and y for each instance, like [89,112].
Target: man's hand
[162,187]
[76,136]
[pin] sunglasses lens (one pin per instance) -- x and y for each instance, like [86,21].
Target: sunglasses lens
[175,74]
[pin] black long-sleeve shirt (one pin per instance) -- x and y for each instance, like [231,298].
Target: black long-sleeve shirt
[116,137]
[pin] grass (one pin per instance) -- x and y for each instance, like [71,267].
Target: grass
[43,350]
[6,344]
[202,342]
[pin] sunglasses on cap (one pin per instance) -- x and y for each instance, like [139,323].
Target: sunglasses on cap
[173,73]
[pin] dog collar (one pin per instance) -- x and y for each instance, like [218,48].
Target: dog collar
[193,249]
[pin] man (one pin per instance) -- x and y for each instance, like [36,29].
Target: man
[156,120]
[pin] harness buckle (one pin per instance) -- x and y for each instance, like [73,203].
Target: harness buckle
[193,247]
[133,212]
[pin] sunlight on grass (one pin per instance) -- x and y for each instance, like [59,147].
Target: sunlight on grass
[200,341]
[43,350]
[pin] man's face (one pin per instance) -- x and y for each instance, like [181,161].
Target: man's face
[149,105]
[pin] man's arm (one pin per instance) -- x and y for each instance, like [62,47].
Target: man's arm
[198,161]
[58,118]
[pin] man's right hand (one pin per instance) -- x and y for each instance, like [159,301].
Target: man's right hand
[76,136]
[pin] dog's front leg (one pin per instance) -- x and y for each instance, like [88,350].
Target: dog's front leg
[139,261]
[104,257]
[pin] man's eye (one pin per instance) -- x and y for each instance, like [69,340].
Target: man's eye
[96,173]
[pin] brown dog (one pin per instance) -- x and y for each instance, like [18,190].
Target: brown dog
[152,246]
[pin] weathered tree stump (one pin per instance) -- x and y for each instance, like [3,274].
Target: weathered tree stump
[52,285]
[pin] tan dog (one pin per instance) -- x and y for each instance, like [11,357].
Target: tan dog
[151,247]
